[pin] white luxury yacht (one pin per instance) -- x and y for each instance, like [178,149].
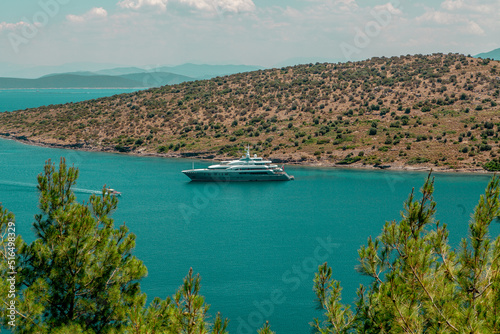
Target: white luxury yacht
[244,169]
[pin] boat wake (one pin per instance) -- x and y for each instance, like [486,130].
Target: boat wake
[87,191]
[18,184]
[32,185]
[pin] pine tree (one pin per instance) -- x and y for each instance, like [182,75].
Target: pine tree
[80,271]
[79,275]
[266,329]
[184,313]
[419,284]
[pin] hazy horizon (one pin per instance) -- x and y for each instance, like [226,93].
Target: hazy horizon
[263,33]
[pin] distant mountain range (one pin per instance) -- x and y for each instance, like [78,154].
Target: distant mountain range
[135,80]
[93,75]
[495,54]
[126,77]
[192,71]
[18,71]
[208,71]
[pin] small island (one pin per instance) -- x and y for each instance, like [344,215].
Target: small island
[415,112]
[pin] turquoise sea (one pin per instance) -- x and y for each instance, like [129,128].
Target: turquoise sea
[14,99]
[255,245]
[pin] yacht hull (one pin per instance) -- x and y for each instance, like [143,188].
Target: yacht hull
[208,176]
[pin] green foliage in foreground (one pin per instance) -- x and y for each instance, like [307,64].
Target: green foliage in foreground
[420,285]
[79,275]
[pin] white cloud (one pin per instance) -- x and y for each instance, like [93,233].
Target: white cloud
[139,4]
[390,8]
[339,5]
[292,12]
[452,4]
[94,13]
[473,29]
[231,6]
[329,10]
[439,17]
[471,6]
[12,26]
[346,5]
[461,22]
[478,17]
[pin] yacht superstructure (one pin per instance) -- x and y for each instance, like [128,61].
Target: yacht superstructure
[246,168]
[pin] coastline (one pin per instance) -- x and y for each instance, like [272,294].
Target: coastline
[215,157]
[67,88]
[409,125]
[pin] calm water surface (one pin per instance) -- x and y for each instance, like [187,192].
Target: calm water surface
[255,245]
[14,99]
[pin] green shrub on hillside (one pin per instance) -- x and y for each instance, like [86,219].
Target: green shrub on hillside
[418,160]
[493,165]
[349,160]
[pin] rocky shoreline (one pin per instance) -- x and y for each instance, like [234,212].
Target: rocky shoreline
[212,156]
[412,113]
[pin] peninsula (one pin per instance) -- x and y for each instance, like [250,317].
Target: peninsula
[435,111]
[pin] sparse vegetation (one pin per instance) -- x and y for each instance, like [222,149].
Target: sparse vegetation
[427,104]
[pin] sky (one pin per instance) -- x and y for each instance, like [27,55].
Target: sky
[252,32]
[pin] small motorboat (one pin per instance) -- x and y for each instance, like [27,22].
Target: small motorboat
[113,192]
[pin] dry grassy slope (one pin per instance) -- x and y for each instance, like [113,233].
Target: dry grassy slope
[435,110]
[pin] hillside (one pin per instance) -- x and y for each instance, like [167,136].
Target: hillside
[495,54]
[436,111]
